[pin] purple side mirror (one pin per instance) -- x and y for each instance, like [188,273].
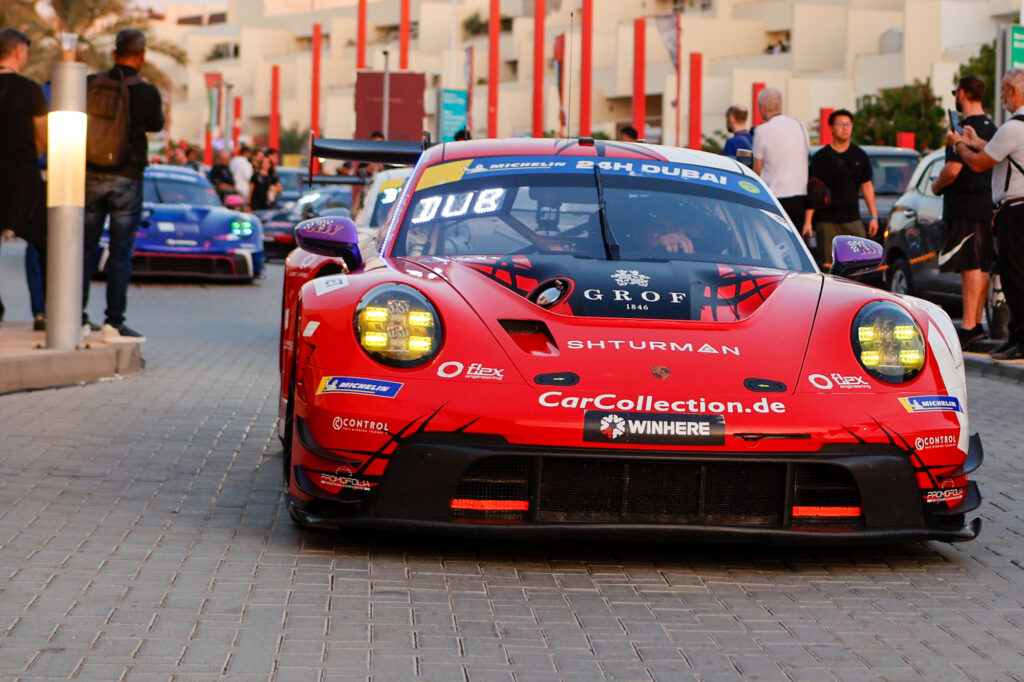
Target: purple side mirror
[331,236]
[854,255]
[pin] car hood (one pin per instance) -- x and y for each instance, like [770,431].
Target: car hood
[720,325]
[183,219]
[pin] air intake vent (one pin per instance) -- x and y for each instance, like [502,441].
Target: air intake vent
[532,336]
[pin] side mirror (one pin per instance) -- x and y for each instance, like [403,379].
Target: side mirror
[331,236]
[853,256]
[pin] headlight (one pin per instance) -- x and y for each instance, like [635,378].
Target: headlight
[241,228]
[887,342]
[396,325]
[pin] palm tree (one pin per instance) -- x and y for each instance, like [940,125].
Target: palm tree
[96,22]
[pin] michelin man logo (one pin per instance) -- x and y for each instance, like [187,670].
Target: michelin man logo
[624,277]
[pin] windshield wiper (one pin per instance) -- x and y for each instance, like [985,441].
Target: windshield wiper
[611,246]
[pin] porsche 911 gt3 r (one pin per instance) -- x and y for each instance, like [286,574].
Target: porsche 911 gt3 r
[186,232]
[565,338]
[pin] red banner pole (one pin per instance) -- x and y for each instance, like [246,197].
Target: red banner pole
[679,79]
[403,38]
[314,113]
[905,140]
[586,68]
[639,76]
[755,111]
[696,68]
[470,86]
[824,129]
[208,147]
[236,125]
[492,73]
[538,68]
[361,36]
[275,107]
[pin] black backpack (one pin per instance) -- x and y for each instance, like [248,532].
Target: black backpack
[107,104]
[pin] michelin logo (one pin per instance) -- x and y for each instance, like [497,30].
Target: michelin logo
[384,389]
[931,403]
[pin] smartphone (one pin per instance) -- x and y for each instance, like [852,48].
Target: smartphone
[954,122]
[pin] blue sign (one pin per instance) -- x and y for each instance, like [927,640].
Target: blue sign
[452,110]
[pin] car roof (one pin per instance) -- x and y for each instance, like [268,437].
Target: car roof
[879,150]
[453,151]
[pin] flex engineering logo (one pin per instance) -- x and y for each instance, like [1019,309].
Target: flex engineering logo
[654,429]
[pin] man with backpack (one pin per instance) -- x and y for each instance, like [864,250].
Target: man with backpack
[1005,154]
[122,108]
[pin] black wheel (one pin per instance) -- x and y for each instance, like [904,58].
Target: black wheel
[898,277]
[997,314]
[289,429]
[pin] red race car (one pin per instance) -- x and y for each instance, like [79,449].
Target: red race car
[575,337]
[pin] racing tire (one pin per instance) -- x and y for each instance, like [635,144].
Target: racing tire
[899,279]
[289,429]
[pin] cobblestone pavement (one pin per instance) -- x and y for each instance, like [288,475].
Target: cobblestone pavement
[142,536]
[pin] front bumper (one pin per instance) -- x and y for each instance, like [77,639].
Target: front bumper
[481,486]
[241,265]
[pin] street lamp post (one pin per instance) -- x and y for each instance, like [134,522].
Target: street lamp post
[65,202]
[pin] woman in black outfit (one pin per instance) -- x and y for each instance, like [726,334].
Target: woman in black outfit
[263,181]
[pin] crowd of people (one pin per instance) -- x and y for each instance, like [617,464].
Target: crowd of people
[980,178]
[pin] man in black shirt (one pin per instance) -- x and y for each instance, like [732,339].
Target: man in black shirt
[967,213]
[22,142]
[846,171]
[116,191]
[220,175]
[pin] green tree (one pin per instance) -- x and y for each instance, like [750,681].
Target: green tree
[984,66]
[97,23]
[294,140]
[908,109]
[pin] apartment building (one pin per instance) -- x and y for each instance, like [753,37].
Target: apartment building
[819,53]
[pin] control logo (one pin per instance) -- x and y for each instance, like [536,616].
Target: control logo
[928,442]
[476,370]
[384,389]
[931,403]
[651,428]
[361,425]
[627,277]
[836,380]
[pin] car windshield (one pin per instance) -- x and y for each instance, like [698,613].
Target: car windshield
[890,174]
[385,200]
[167,191]
[655,210]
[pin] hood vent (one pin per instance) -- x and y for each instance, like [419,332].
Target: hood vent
[532,336]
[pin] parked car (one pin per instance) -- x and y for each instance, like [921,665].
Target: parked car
[185,231]
[566,338]
[913,242]
[278,226]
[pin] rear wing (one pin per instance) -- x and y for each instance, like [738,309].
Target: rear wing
[369,151]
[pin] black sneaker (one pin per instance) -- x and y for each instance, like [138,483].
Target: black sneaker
[122,334]
[970,336]
[39,323]
[1014,352]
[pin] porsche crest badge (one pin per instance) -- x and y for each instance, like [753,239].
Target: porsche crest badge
[661,372]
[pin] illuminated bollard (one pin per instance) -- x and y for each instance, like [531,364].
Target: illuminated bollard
[65,201]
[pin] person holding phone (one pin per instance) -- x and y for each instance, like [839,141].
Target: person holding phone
[967,212]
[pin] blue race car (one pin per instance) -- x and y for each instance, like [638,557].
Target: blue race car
[186,232]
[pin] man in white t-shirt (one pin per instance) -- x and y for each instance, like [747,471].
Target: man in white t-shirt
[1005,153]
[781,151]
[241,170]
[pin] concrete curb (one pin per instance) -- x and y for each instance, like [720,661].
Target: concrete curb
[983,365]
[25,365]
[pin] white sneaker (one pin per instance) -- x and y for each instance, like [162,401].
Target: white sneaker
[125,334]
